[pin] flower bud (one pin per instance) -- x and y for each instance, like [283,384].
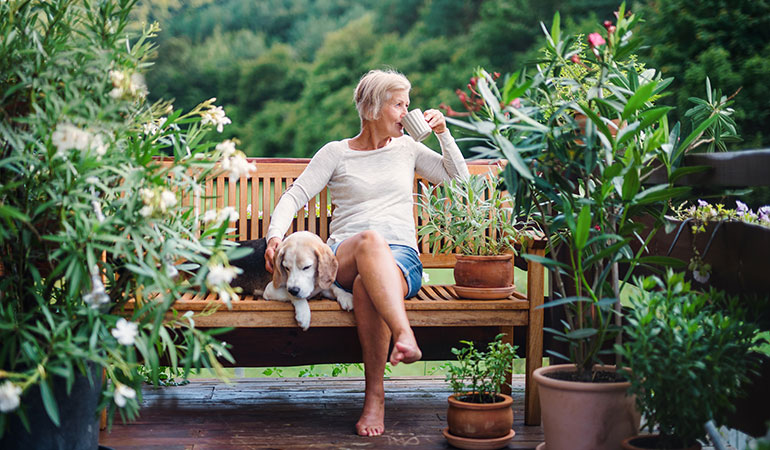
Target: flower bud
[607,24]
[575,58]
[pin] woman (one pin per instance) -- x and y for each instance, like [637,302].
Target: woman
[370,178]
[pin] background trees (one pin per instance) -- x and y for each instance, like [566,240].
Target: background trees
[285,69]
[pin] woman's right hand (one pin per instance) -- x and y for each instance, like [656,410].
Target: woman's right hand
[272,246]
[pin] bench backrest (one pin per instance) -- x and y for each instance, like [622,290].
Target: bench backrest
[255,197]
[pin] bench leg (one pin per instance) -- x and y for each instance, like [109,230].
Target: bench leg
[535,294]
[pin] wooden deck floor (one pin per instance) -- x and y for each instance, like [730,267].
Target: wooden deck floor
[294,413]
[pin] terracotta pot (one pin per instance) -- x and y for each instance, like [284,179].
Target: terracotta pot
[480,420]
[650,442]
[585,416]
[484,271]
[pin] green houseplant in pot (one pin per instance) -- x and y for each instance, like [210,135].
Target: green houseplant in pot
[687,355]
[478,413]
[90,221]
[584,185]
[474,217]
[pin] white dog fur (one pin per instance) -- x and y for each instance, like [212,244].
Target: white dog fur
[304,266]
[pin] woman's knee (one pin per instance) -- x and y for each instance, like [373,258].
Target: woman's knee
[371,238]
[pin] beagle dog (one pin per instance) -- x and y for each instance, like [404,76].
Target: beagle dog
[304,267]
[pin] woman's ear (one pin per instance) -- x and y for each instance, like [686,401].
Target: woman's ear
[326,269]
[279,272]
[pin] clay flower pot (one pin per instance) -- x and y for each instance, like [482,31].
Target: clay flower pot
[585,416]
[480,420]
[484,277]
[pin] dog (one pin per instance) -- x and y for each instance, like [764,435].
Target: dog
[304,267]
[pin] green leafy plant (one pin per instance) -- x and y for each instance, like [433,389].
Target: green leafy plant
[478,375]
[459,215]
[90,220]
[585,182]
[686,355]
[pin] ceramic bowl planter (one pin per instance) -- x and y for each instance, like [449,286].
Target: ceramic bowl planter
[585,416]
[484,277]
[479,425]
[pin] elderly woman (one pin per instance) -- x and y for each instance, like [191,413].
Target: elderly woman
[370,178]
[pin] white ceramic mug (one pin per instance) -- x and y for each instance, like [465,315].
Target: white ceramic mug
[415,124]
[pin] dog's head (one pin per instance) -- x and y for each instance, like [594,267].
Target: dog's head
[304,264]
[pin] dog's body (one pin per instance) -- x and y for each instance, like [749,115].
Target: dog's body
[304,267]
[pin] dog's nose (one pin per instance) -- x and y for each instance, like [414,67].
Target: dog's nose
[293,291]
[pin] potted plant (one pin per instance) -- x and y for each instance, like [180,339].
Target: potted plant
[586,187]
[91,221]
[457,215]
[687,357]
[478,413]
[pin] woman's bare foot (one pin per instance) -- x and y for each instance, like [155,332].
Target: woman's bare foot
[405,351]
[372,420]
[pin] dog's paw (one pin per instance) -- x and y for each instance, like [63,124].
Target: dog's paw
[302,314]
[344,298]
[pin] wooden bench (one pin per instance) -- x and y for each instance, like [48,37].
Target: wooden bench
[266,333]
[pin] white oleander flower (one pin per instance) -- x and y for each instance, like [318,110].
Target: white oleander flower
[700,277]
[237,166]
[98,145]
[167,200]
[145,211]
[68,137]
[125,332]
[227,148]
[147,195]
[220,274]
[122,394]
[98,295]
[209,216]
[215,115]
[10,397]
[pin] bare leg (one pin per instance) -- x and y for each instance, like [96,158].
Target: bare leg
[374,335]
[368,256]
[367,265]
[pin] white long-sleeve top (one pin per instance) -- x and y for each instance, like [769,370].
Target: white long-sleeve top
[370,189]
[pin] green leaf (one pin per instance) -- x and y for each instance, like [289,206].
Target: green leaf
[513,156]
[660,193]
[695,133]
[631,184]
[640,97]
[556,28]
[687,170]
[583,227]
[49,402]
[548,262]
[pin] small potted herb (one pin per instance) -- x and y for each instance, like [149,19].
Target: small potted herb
[477,408]
[474,217]
[688,355]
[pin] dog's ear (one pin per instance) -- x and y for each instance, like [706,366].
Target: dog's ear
[279,272]
[326,269]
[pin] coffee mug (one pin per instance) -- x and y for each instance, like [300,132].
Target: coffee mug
[414,123]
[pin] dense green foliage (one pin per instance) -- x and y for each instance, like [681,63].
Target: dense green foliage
[88,219]
[688,355]
[285,69]
[728,40]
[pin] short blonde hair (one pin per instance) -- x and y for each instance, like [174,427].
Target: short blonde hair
[374,89]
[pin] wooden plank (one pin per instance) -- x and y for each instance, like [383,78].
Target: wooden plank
[294,413]
[255,208]
[535,292]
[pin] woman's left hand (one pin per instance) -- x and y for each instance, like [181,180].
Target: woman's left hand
[435,120]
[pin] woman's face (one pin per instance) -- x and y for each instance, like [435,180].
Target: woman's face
[392,112]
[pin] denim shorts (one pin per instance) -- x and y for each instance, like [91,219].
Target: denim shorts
[408,260]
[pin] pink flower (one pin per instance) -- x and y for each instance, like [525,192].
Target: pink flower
[611,29]
[607,24]
[595,40]
[516,103]
[575,58]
